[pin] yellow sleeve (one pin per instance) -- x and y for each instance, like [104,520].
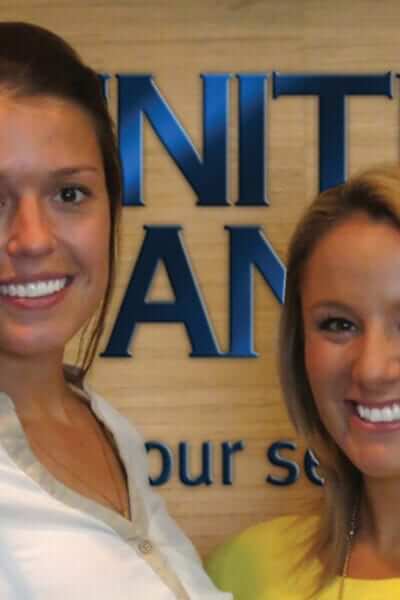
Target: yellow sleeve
[259,564]
[217,567]
[232,569]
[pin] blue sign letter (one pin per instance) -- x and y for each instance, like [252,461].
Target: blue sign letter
[249,248]
[138,95]
[252,157]
[206,475]
[167,461]
[163,244]
[332,91]
[276,459]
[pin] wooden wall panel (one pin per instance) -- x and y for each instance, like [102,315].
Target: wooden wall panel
[170,396]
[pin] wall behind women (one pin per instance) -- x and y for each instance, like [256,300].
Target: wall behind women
[170,396]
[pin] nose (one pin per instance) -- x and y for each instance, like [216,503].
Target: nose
[30,232]
[377,359]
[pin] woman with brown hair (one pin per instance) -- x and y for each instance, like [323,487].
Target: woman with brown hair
[78,520]
[340,374]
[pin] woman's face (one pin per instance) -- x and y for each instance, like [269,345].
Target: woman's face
[351,310]
[54,224]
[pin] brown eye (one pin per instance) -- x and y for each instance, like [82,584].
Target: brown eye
[337,325]
[71,195]
[4,199]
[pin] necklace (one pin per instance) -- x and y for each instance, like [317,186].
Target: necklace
[120,506]
[350,540]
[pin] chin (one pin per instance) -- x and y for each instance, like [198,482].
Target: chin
[32,350]
[379,467]
[30,343]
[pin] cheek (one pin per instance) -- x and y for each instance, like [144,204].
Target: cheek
[329,376]
[93,247]
[100,265]
[315,362]
[319,380]
[323,370]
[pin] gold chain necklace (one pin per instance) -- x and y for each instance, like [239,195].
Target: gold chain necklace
[121,507]
[350,541]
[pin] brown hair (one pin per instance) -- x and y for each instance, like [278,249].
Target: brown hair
[37,62]
[375,192]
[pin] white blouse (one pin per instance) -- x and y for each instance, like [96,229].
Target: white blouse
[58,545]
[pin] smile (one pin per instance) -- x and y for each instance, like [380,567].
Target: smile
[33,289]
[387,414]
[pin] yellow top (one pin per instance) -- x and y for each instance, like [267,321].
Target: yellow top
[259,564]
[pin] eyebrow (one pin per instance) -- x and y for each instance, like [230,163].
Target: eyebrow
[329,304]
[61,172]
[64,171]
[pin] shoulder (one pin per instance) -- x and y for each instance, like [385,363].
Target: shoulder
[128,440]
[278,534]
[111,417]
[260,557]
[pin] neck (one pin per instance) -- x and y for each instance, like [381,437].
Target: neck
[379,522]
[36,386]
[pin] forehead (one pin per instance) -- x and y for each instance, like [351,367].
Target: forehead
[44,129]
[358,261]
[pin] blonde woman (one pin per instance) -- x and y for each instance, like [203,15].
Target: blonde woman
[340,373]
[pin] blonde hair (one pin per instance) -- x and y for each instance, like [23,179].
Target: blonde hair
[375,192]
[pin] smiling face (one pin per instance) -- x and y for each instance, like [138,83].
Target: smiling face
[54,224]
[351,312]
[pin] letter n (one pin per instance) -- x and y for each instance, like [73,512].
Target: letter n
[138,96]
[249,249]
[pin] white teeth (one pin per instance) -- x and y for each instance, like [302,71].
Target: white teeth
[376,415]
[388,414]
[33,289]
